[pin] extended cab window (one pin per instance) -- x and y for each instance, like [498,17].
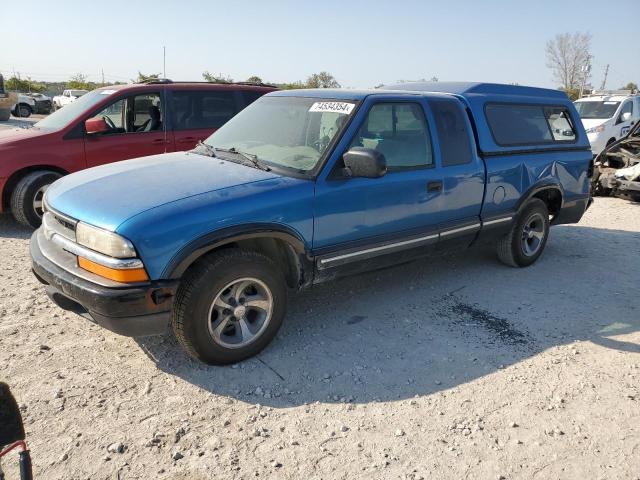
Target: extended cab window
[453,134]
[513,124]
[203,109]
[398,131]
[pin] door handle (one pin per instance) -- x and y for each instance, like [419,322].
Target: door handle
[434,186]
[159,141]
[187,140]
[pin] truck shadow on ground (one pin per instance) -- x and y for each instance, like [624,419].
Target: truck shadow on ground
[433,324]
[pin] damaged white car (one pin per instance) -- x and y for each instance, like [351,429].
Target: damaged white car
[616,171]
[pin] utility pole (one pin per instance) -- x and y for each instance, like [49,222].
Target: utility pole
[164,62]
[604,81]
[102,72]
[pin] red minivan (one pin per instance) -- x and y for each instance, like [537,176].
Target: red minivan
[110,124]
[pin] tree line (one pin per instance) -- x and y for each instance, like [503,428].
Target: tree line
[80,81]
[568,56]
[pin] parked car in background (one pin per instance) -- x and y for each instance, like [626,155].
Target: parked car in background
[302,187]
[7,101]
[608,116]
[43,103]
[67,97]
[107,125]
[24,106]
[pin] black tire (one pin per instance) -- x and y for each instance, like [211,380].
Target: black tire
[25,194]
[199,289]
[5,114]
[512,249]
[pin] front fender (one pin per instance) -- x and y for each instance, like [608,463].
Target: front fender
[206,243]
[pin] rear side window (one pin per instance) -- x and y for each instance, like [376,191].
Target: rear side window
[202,109]
[455,147]
[513,124]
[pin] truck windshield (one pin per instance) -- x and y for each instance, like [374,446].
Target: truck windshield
[596,109]
[61,118]
[288,132]
[77,93]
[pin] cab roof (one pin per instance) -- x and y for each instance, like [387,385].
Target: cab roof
[463,89]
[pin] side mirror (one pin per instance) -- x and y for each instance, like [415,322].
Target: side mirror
[11,427]
[96,125]
[365,162]
[625,117]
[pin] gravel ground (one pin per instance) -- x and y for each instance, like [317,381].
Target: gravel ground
[455,367]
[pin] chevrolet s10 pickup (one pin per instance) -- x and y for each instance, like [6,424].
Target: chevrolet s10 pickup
[302,187]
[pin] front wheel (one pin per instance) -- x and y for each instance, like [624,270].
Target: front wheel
[229,306]
[524,244]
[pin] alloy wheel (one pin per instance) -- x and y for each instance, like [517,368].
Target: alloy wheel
[533,233]
[240,312]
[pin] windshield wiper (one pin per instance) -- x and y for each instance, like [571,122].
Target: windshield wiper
[210,150]
[255,161]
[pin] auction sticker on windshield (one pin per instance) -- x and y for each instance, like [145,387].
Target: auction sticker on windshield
[333,107]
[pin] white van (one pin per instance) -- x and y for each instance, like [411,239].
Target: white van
[608,116]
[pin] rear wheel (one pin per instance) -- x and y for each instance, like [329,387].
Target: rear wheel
[524,244]
[229,306]
[28,195]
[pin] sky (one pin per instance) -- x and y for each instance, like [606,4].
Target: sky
[362,43]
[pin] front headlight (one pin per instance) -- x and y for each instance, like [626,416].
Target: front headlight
[598,129]
[104,241]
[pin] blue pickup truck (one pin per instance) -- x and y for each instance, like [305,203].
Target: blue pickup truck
[302,187]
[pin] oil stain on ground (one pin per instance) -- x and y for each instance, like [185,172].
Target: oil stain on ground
[475,316]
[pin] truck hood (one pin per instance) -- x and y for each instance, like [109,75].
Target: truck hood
[107,196]
[588,123]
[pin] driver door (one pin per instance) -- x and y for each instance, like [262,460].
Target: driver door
[358,218]
[137,129]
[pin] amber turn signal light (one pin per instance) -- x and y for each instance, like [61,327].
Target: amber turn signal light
[124,276]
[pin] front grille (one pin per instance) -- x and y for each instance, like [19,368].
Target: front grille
[54,223]
[65,223]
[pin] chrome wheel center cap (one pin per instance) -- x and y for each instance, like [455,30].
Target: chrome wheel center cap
[239,311]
